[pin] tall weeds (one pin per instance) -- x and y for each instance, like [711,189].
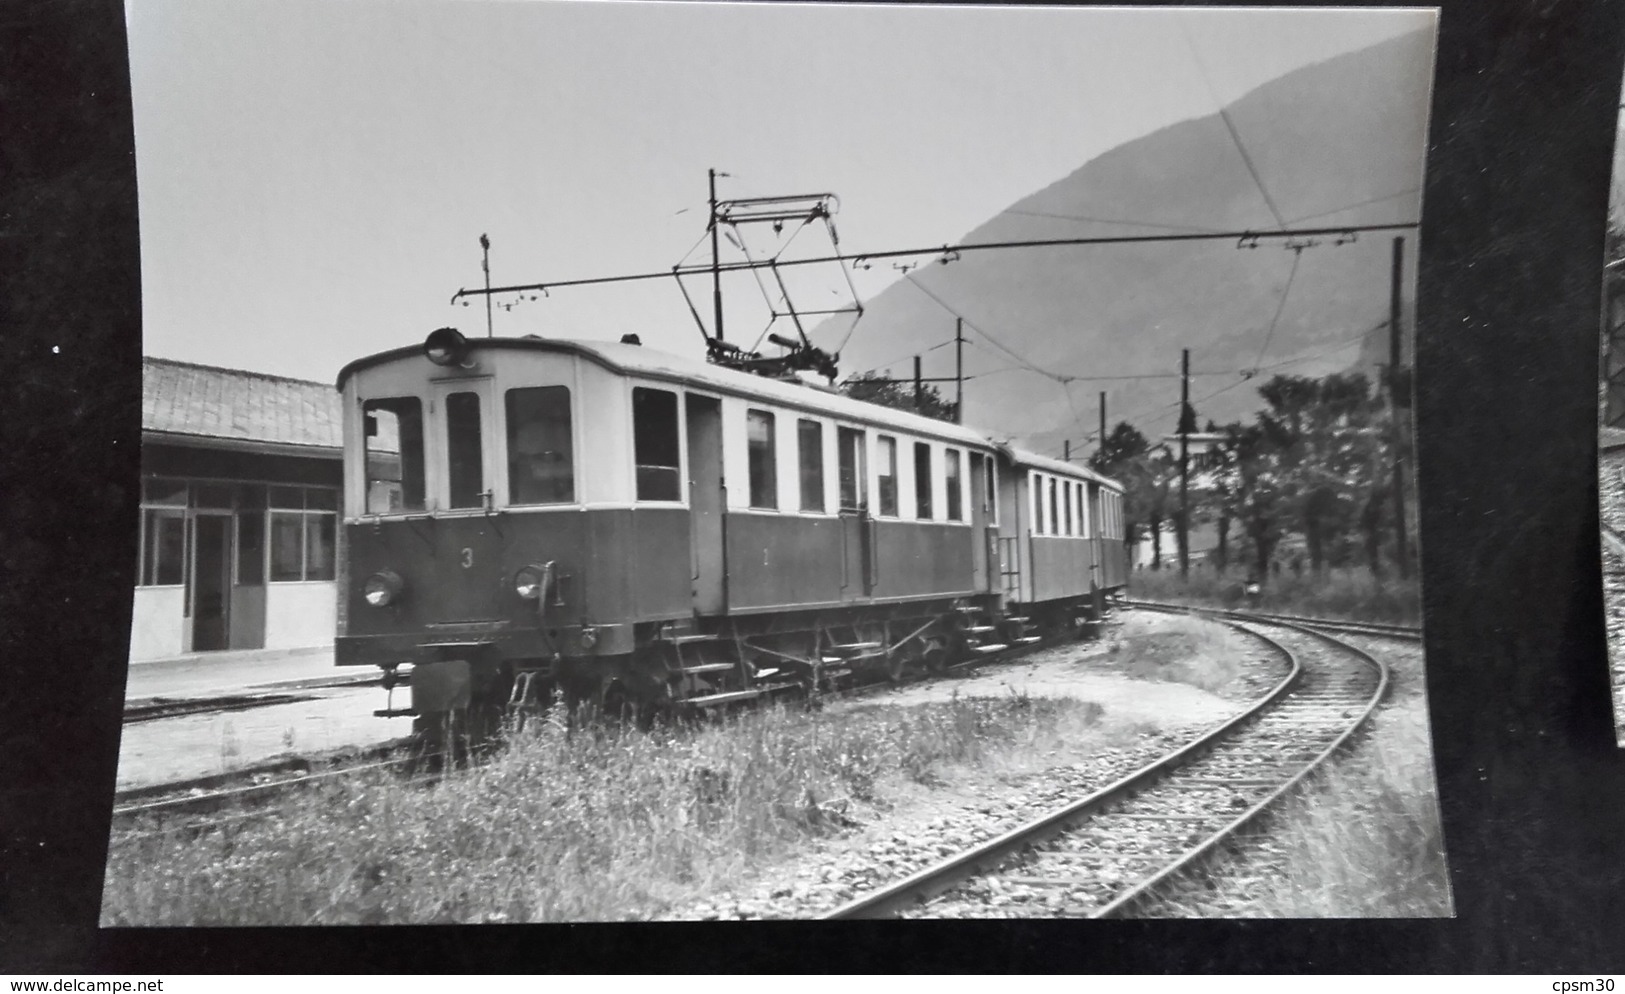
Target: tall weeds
[1336,593]
[568,824]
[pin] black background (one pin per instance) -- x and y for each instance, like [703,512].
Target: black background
[1532,787]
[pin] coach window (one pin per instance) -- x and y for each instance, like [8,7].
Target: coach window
[1035,487]
[956,496]
[393,448]
[1066,503]
[886,474]
[163,533]
[541,465]
[654,444]
[764,480]
[810,459]
[1053,530]
[853,468]
[922,481]
[464,463]
[991,477]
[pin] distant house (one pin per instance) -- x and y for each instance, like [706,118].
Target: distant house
[241,475]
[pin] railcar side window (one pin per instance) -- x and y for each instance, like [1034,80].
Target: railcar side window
[886,475]
[922,481]
[1035,486]
[1050,503]
[992,479]
[1066,501]
[393,448]
[654,444]
[764,480]
[956,498]
[854,471]
[541,464]
[810,441]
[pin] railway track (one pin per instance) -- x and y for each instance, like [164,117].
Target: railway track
[1412,633]
[1106,854]
[257,787]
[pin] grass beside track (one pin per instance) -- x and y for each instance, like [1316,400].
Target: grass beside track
[1351,594]
[568,825]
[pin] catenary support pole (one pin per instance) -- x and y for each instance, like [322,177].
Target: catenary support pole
[1398,407]
[1184,465]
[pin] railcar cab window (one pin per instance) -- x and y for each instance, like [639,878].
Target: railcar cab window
[955,495]
[654,444]
[810,442]
[854,470]
[393,449]
[764,480]
[541,466]
[886,475]
[922,481]
[465,465]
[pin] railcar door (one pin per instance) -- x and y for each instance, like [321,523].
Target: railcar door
[707,497]
[857,546]
[466,539]
[984,542]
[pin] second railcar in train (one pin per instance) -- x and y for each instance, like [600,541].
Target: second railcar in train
[526,517]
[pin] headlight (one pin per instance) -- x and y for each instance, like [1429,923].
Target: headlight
[383,588]
[446,347]
[531,582]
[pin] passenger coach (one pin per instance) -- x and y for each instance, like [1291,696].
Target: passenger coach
[637,530]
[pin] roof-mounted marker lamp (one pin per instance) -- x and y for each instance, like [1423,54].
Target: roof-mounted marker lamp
[447,347]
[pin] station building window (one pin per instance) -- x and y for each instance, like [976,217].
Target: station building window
[810,459]
[654,444]
[163,533]
[393,448]
[762,455]
[303,522]
[956,511]
[922,481]
[886,474]
[541,464]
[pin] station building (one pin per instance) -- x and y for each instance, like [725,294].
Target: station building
[241,476]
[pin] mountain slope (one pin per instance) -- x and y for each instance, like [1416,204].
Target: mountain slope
[1338,142]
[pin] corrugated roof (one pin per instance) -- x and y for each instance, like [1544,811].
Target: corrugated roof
[183,398]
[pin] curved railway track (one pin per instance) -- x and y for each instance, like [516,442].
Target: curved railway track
[1105,854]
[1380,629]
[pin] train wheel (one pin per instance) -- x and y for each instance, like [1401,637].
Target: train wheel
[936,659]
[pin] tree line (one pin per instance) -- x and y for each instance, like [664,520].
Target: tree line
[1316,464]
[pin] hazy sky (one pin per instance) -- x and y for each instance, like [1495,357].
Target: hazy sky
[315,174]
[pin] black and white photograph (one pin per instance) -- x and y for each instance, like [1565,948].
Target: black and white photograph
[617,462]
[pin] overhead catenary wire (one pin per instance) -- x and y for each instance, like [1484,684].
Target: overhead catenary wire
[1230,125]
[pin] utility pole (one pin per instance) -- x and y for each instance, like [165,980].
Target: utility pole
[1066,450]
[919,389]
[1184,466]
[1395,407]
[1102,421]
[716,262]
[959,369]
[485,248]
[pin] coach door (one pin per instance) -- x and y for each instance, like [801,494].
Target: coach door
[707,496]
[857,532]
[984,550]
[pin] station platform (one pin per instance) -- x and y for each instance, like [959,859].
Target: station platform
[199,675]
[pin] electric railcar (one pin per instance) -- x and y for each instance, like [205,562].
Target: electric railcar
[525,517]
